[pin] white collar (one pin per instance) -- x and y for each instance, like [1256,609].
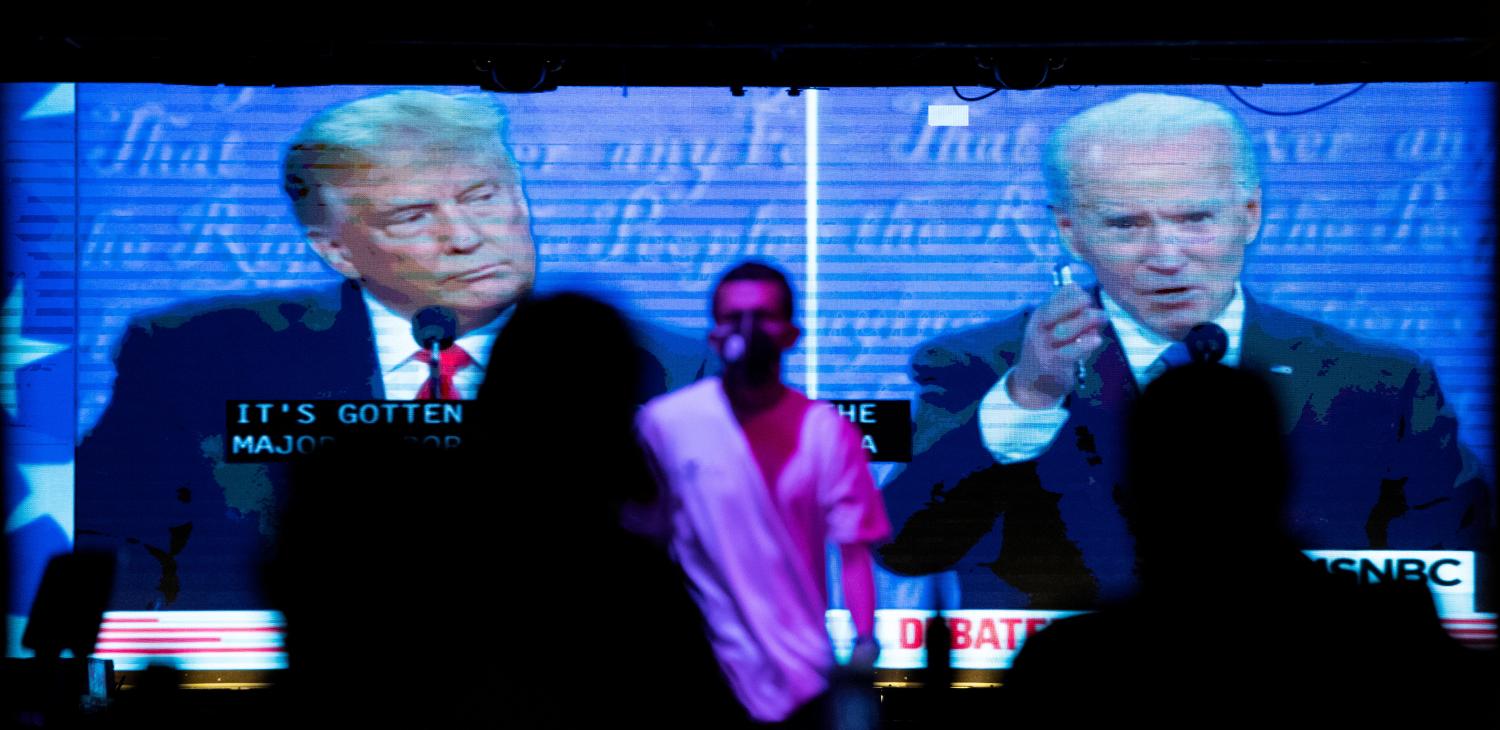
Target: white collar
[1142,346]
[394,344]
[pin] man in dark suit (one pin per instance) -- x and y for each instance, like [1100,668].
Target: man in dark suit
[1015,479]
[415,200]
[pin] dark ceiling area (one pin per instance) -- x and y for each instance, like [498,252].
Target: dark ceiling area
[793,45]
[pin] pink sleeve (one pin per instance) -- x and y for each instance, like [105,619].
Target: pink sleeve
[858,578]
[855,511]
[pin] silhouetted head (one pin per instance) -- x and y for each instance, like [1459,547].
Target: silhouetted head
[1207,464]
[560,394]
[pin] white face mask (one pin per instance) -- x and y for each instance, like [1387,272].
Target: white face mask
[749,349]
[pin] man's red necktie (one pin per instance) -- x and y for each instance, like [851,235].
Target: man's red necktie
[449,363]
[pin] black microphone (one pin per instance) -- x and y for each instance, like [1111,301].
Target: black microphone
[434,326]
[1206,342]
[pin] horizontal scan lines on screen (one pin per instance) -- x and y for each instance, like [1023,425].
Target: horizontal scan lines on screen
[1379,282]
[654,268]
[594,193]
[186,230]
[956,218]
[48,188]
[53,200]
[201,268]
[688,229]
[143,303]
[152,293]
[835,358]
[904,333]
[1377,267]
[29,154]
[1353,208]
[704,268]
[55,275]
[576,274]
[875,339]
[953,200]
[1476,631]
[651,235]
[622,237]
[1279,253]
[607,222]
[917,250]
[1309,294]
[45,246]
[19,351]
[851,276]
[915,264]
[241,136]
[979,297]
[840,341]
[564,204]
[935,229]
[117,631]
[842,378]
[695,312]
[271,210]
[41,314]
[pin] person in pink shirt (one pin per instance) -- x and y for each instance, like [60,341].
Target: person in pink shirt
[756,480]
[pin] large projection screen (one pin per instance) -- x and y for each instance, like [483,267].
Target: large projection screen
[914,225]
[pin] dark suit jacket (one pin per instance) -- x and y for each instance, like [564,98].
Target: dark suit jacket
[1377,463]
[151,478]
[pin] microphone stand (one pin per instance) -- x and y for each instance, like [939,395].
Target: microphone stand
[435,371]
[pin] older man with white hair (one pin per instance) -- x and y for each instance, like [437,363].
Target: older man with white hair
[1018,461]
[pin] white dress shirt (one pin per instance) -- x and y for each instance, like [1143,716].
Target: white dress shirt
[1013,433]
[396,350]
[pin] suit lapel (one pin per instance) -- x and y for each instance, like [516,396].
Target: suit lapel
[1269,348]
[340,348]
[1259,350]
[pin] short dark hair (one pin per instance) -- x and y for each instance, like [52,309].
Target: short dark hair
[754,271]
